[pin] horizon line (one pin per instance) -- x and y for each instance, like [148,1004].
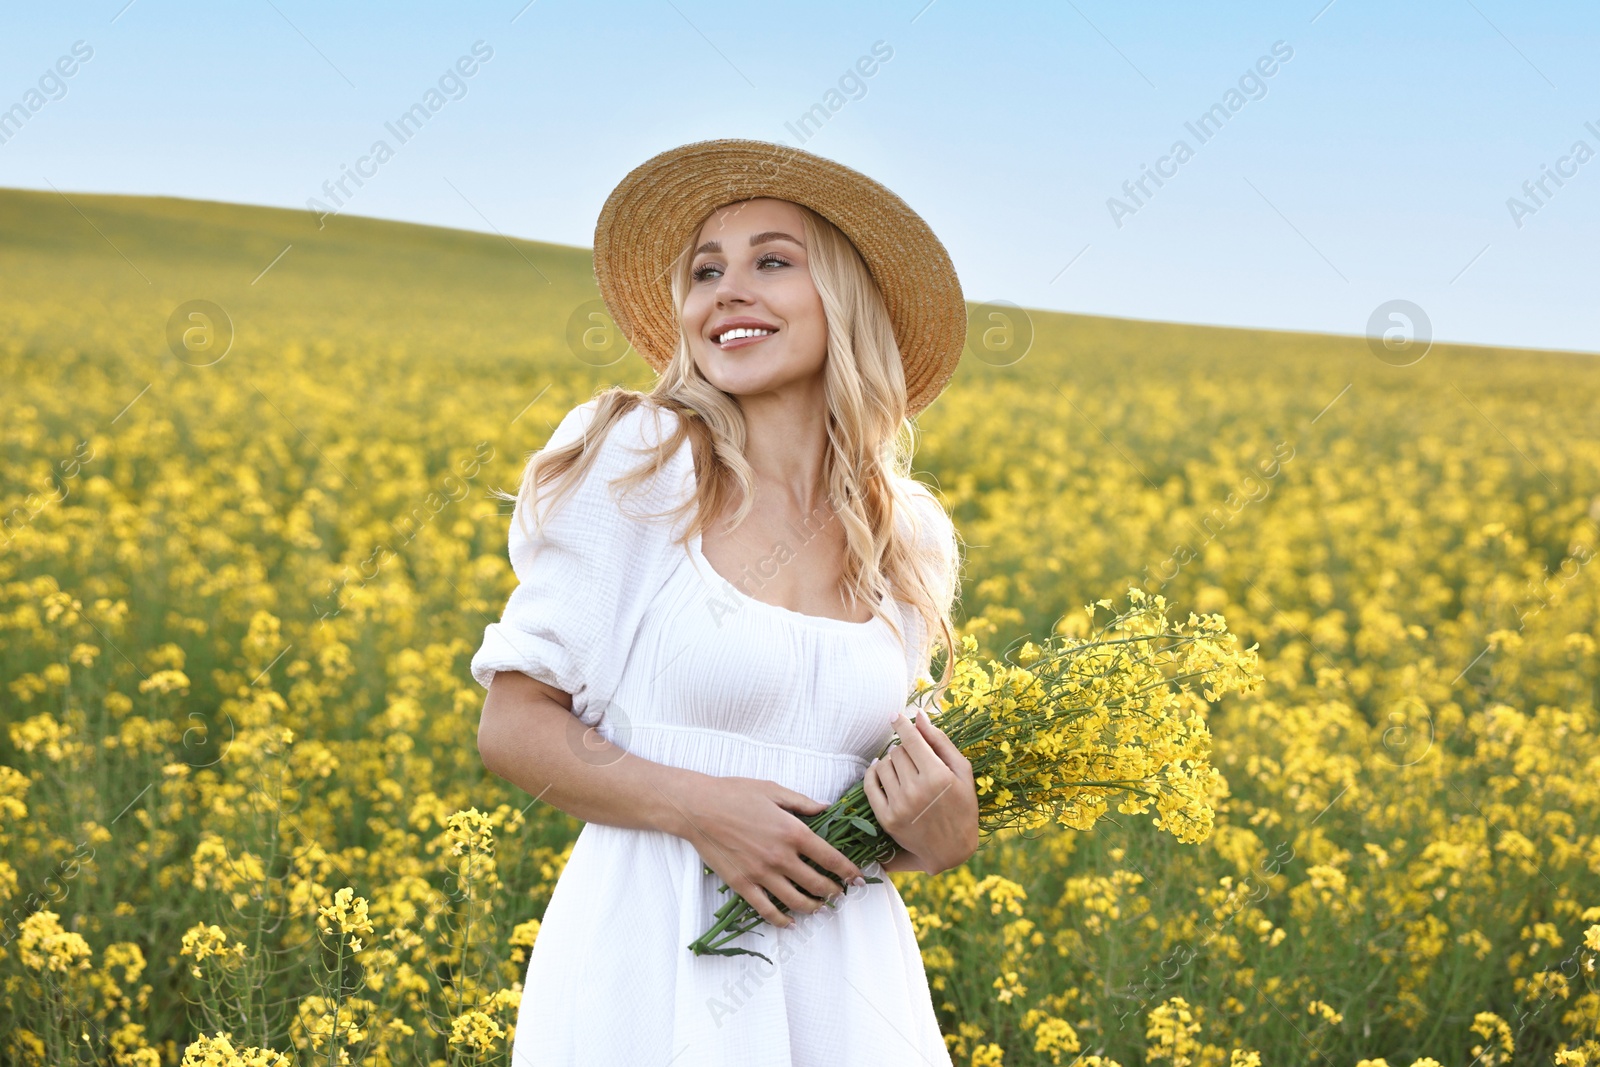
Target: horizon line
[590,250]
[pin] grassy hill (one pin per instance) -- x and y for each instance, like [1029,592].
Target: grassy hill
[112,268]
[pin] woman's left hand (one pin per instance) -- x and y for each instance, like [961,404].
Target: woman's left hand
[924,795]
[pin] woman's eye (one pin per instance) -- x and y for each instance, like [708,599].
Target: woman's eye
[700,274]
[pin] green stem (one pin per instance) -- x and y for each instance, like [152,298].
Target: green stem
[338,991]
[738,916]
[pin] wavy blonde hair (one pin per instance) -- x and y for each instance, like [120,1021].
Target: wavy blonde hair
[870,440]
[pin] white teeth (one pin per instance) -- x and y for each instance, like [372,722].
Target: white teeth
[743,331]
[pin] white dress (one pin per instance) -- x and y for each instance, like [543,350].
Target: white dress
[675,664]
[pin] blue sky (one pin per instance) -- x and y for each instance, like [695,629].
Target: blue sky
[1375,163]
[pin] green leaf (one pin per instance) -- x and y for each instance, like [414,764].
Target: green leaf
[864,826]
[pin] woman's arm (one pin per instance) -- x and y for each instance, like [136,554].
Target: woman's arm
[748,830]
[529,736]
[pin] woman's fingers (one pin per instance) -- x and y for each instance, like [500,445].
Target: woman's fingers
[773,863]
[914,745]
[901,794]
[814,845]
[835,862]
[796,801]
[769,893]
[888,770]
[800,901]
[906,766]
[780,890]
[762,901]
[941,744]
[791,880]
[877,796]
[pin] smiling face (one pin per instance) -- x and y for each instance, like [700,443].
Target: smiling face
[750,276]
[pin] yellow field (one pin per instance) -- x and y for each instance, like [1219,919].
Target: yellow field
[237,601]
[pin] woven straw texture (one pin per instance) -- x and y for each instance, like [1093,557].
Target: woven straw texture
[654,212]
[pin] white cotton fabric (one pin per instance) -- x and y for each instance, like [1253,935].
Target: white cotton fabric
[675,664]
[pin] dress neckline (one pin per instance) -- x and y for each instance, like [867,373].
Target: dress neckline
[826,621]
[685,455]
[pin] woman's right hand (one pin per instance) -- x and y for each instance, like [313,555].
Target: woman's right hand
[750,831]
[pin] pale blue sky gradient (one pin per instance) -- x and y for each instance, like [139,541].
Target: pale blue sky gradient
[1377,165]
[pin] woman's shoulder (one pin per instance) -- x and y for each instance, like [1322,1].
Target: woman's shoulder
[918,490]
[627,446]
[644,426]
[932,535]
[933,524]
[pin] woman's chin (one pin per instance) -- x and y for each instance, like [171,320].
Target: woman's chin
[760,372]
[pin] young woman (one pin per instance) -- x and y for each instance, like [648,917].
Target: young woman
[728,588]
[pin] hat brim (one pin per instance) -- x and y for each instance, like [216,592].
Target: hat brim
[655,211]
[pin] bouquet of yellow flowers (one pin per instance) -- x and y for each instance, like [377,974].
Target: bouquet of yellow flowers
[1070,726]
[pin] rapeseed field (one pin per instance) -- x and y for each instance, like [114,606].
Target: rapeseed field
[249,546]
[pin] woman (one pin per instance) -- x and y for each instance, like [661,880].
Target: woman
[727,590]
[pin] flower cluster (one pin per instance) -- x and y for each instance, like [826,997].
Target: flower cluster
[1072,725]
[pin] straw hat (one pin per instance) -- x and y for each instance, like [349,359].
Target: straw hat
[658,208]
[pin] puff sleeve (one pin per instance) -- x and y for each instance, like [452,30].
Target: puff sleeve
[933,536]
[586,576]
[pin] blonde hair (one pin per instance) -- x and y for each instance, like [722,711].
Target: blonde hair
[870,440]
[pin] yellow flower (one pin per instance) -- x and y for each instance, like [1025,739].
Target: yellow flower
[130,1049]
[988,1055]
[1170,1033]
[44,946]
[44,733]
[1009,987]
[219,1051]
[173,681]
[215,867]
[470,832]
[1056,1036]
[523,937]
[348,912]
[203,940]
[318,1020]
[476,1030]
[1491,1026]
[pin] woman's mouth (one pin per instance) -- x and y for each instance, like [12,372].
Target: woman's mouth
[742,337]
